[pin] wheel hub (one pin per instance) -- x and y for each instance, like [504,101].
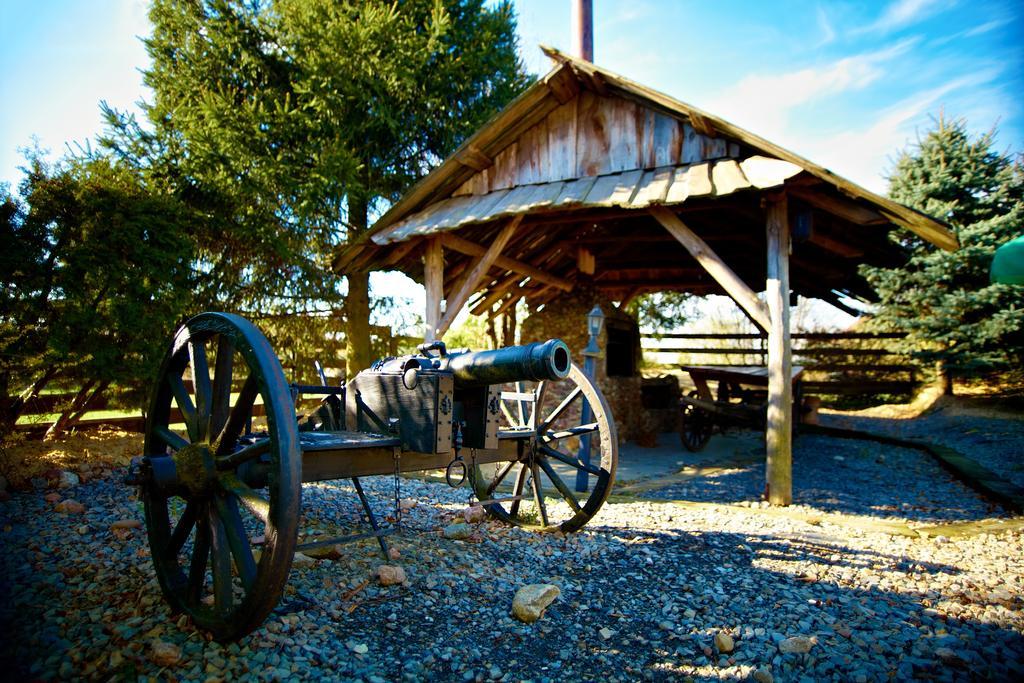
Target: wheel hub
[196,469]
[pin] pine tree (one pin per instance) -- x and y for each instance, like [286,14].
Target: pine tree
[298,120]
[944,300]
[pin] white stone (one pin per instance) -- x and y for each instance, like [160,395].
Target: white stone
[796,644]
[531,600]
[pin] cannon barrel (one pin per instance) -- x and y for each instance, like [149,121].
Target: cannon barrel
[529,362]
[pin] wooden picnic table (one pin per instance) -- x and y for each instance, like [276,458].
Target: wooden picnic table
[736,376]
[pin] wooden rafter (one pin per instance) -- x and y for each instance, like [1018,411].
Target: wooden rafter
[472,157]
[468,248]
[713,264]
[471,279]
[844,208]
[507,304]
[495,293]
[401,251]
[835,246]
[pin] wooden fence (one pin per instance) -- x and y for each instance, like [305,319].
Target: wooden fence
[835,363]
[49,404]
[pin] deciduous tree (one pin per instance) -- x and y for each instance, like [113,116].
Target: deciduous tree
[94,269]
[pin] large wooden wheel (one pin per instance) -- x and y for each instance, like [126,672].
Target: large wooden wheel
[695,425]
[553,427]
[224,486]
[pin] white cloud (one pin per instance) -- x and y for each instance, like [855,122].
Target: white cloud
[763,102]
[902,13]
[865,155]
[986,27]
[828,34]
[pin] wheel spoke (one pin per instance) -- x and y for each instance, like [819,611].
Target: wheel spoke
[233,460]
[200,553]
[238,540]
[574,431]
[517,492]
[543,427]
[498,479]
[253,502]
[184,401]
[569,460]
[538,494]
[240,414]
[222,384]
[221,555]
[181,531]
[560,485]
[201,383]
[170,438]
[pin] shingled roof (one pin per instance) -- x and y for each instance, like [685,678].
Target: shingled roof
[582,156]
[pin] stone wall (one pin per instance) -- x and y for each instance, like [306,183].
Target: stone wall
[566,319]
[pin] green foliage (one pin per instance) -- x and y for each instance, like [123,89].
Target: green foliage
[473,333]
[944,299]
[289,123]
[662,311]
[95,270]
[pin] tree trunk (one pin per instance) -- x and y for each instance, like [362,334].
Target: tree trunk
[944,377]
[357,303]
[491,334]
[508,327]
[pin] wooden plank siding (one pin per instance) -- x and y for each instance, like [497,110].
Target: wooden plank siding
[594,135]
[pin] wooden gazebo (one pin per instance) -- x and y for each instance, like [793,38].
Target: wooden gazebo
[590,177]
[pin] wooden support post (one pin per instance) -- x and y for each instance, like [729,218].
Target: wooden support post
[779,433]
[714,265]
[433,281]
[471,280]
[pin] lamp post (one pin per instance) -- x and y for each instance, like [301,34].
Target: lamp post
[595,321]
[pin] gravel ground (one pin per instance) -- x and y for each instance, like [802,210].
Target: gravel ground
[848,476]
[997,443]
[645,591]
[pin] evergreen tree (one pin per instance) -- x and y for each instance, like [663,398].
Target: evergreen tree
[944,300]
[297,120]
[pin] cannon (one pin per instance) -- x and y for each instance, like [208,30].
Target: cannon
[226,453]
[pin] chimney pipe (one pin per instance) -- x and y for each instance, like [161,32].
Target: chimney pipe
[583,29]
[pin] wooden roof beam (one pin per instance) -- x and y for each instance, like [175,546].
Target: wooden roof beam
[507,304]
[563,84]
[471,156]
[835,246]
[464,246]
[714,265]
[469,282]
[837,206]
[613,275]
[495,293]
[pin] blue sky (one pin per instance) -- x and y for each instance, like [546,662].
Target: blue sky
[846,84]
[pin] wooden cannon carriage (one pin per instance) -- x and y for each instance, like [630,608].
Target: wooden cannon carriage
[223,500]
